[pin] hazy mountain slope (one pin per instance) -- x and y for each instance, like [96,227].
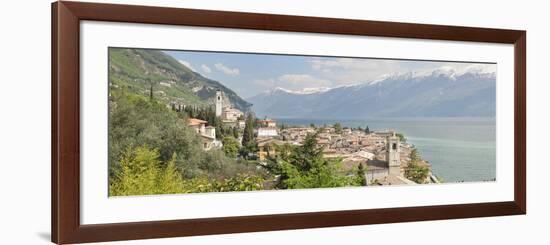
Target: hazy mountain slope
[136,69]
[436,95]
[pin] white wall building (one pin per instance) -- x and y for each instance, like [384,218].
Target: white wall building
[268,132]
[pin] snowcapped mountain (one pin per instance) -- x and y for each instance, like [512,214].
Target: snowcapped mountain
[440,93]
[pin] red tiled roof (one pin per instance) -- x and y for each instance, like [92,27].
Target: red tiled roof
[195,121]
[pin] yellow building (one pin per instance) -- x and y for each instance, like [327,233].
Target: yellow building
[266,147]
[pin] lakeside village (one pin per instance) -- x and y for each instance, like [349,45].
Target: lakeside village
[385,154]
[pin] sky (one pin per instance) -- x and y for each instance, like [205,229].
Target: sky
[250,74]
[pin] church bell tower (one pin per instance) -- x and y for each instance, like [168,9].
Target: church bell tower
[392,154]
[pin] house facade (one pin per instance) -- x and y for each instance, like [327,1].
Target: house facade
[207,133]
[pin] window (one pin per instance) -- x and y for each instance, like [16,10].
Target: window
[394,146]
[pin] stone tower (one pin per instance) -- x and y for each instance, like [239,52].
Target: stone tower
[219,103]
[392,154]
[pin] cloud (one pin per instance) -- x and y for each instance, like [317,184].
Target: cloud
[205,68]
[187,64]
[228,71]
[296,82]
[346,71]
[303,81]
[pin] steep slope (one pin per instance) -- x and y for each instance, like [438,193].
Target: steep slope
[435,95]
[137,69]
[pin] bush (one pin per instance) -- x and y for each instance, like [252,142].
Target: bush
[142,174]
[230,146]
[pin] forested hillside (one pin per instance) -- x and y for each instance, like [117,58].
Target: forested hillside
[140,70]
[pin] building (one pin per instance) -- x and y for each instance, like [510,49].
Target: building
[198,125]
[207,133]
[241,124]
[393,154]
[227,113]
[268,123]
[231,114]
[267,147]
[268,132]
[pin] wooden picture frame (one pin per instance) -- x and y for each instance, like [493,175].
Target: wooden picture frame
[65,169]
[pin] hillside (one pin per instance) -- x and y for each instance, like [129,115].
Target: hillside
[435,95]
[137,69]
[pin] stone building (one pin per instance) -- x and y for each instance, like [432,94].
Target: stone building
[393,154]
[225,111]
[207,133]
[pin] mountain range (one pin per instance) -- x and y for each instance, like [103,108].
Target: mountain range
[438,94]
[137,69]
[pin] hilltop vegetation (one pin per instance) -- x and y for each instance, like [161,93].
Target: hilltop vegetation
[137,70]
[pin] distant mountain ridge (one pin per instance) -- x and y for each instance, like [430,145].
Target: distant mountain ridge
[439,94]
[135,69]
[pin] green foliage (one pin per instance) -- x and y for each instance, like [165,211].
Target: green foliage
[235,132]
[248,134]
[136,121]
[304,167]
[138,70]
[414,171]
[170,181]
[361,178]
[241,182]
[250,148]
[143,174]
[367,130]
[401,137]
[230,146]
[337,128]
[325,174]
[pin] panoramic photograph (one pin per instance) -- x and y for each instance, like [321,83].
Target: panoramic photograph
[198,122]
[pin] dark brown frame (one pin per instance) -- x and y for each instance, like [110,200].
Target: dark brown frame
[65,181]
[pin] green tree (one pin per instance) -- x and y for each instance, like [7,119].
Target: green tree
[367,130]
[337,128]
[248,134]
[414,171]
[143,174]
[401,137]
[361,178]
[230,146]
[304,167]
[170,181]
[235,132]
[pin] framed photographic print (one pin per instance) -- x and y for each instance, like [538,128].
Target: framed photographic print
[177,122]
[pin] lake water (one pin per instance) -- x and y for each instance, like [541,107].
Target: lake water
[459,149]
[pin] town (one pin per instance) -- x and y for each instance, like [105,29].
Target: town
[385,154]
